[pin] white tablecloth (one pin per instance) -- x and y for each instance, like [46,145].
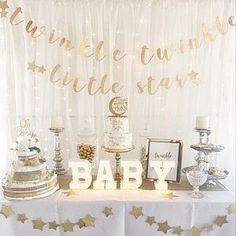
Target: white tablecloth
[181,211]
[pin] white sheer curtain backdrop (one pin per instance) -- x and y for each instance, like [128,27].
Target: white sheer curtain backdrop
[126,25]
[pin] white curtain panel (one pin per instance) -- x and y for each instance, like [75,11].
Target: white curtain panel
[124,25]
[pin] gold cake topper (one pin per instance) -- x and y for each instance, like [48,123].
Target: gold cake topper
[118,106]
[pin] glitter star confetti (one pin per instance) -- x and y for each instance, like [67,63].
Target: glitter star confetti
[107,211]
[194,231]
[208,228]
[89,220]
[41,69]
[22,218]
[81,223]
[164,227]
[220,220]
[192,75]
[136,212]
[32,66]
[68,226]
[38,224]
[231,209]
[150,220]
[3,5]
[6,211]
[177,230]
[169,195]
[53,225]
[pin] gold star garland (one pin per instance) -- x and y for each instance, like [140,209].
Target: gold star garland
[32,66]
[164,227]
[136,212]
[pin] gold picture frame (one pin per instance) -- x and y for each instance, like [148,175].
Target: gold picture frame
[174,150]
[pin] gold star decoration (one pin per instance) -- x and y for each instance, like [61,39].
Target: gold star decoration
[231,209]
[38,224]
[3,13]
[81,223]
[193,75]
[22,218]
[136,212]
[169,195]
[164,227]
[220,220]
[208,228]
[89,220]
[150,220]
[107,211]
[53,225]
[68,226]
[41,69]
[32,66]
[177,230]
[3,5]
[71,192]
[194,231]
[6,211]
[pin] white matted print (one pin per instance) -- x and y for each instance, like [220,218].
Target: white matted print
[164,150]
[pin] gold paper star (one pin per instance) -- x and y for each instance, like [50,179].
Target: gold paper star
[3,5]
[6,211]
[81,223]
[107,211]
[194,231]
[208,228]
[150,220]
[136,212]
[53,225]
[22,218]
[68,226]
[3,14]
[177,230]
[231,209]
[220,220]
[192,75]
[169,195]
[32,66]
[164,227]
[89,220]
[38,224]
[41,69]
[71,192]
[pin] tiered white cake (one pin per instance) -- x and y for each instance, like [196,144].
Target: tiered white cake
[117,134]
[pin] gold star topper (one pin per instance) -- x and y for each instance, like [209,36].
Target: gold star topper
[6,211]
[3,5]
[53,225]
[22,218]
[164,227]
[231,209]
[177,230]
[68,226]
[38,224]
[118,106]
[107,211]
[220,220]
[169,195]
[136,212]
[194,231]
[150,220]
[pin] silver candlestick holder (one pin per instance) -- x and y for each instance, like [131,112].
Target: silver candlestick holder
[204,149]
[58,166]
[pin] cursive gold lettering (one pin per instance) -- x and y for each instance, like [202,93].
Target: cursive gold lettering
[14,15]
[143,55]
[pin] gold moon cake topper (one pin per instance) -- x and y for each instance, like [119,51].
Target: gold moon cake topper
[118,106]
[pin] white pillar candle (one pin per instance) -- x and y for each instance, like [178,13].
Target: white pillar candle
[57,122]
[162,168]
[202,122]
[105,178]
[132,175]
[81,174]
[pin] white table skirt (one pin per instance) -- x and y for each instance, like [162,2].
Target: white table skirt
[181,211]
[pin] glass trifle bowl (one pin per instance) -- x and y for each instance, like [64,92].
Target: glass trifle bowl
[197,176]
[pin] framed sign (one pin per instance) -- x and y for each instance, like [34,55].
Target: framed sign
[164,150]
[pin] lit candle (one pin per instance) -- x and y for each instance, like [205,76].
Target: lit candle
[57,122]
[202,122]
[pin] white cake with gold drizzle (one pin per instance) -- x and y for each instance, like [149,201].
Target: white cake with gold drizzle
[117,135]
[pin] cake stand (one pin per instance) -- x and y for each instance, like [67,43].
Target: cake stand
[117,153]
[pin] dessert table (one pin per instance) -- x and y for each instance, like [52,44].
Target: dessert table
[120,212]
